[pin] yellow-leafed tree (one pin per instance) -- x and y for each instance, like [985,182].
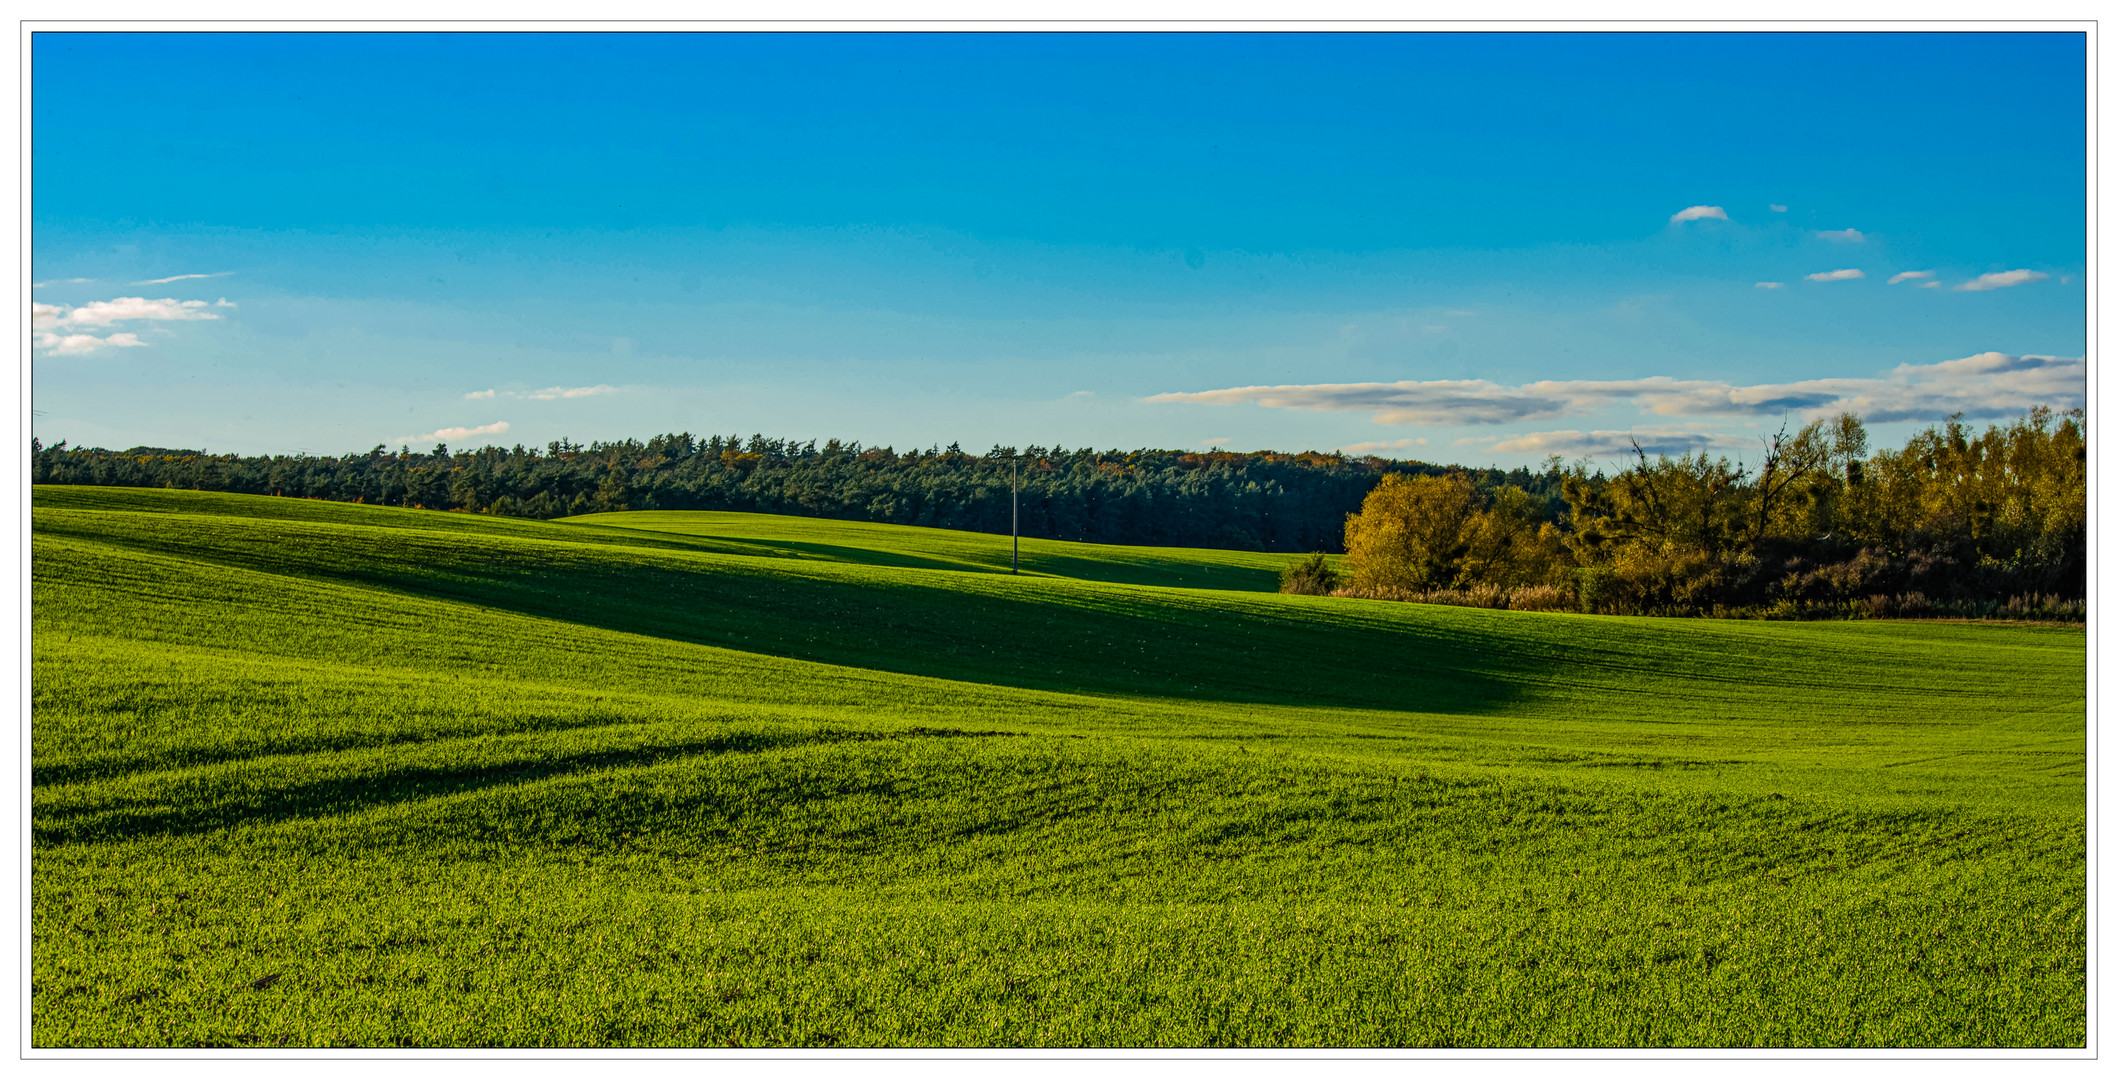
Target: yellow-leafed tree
[1437,532]
[1412,532]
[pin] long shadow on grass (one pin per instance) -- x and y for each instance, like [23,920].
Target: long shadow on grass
[159,812]
[845,553]
[1113,571]
[1040,634]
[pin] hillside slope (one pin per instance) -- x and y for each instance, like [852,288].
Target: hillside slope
[701,779]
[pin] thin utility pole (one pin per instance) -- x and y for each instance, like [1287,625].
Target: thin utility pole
[1015,518]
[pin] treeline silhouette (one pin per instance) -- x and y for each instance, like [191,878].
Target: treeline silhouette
[1245,501]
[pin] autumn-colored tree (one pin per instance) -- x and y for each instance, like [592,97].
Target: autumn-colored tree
[1412,532]
[1422,533]
[1509,547]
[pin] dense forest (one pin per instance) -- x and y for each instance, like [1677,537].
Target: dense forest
[1256,501]
[1955,522]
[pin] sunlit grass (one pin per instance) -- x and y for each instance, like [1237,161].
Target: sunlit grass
[437,779]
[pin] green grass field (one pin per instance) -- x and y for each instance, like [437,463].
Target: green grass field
[316,774]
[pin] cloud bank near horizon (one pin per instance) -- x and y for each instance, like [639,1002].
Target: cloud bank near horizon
[455,434]
[1983,386]
[1650,440]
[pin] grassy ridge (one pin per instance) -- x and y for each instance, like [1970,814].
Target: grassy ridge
[720,778]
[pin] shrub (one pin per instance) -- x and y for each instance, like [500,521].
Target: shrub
[1312,576]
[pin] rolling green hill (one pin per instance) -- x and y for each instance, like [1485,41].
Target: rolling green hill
[310,773]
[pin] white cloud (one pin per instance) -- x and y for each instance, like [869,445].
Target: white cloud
[125,308]
[1986,385]
[76,344]
[1930,284]
[1838,275]
[1653,440]
[549,393]
[455,434]
[2000,280]
[553,393]
[1372,447]
[182,277]
[1694,213]
[1081,394]
[224,302]
[1771,285]
[1910,275]
[1442,402]
[62,281]
[1777,208]
[1842,236]
[49,322]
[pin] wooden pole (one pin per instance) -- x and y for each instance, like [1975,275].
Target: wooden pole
[1015,519]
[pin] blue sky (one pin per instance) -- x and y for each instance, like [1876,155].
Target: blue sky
[1474,248]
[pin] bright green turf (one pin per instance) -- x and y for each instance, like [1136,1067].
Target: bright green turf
[711,779]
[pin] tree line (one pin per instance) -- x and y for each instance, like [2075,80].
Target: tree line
[1957,522]
[1249,501]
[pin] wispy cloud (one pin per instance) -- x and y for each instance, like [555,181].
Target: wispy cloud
[1776,208]
[1694,213]
[1654,440]
[1771,285]
[75,344]
[183,277]
[1930,284]
[1910,275]
[63,281]
[455,434]
[1838,275]
[549,393]
[1842,236]
[1440,403]
[2001,280]
[554,393]
[1372,447]
[1985,385]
